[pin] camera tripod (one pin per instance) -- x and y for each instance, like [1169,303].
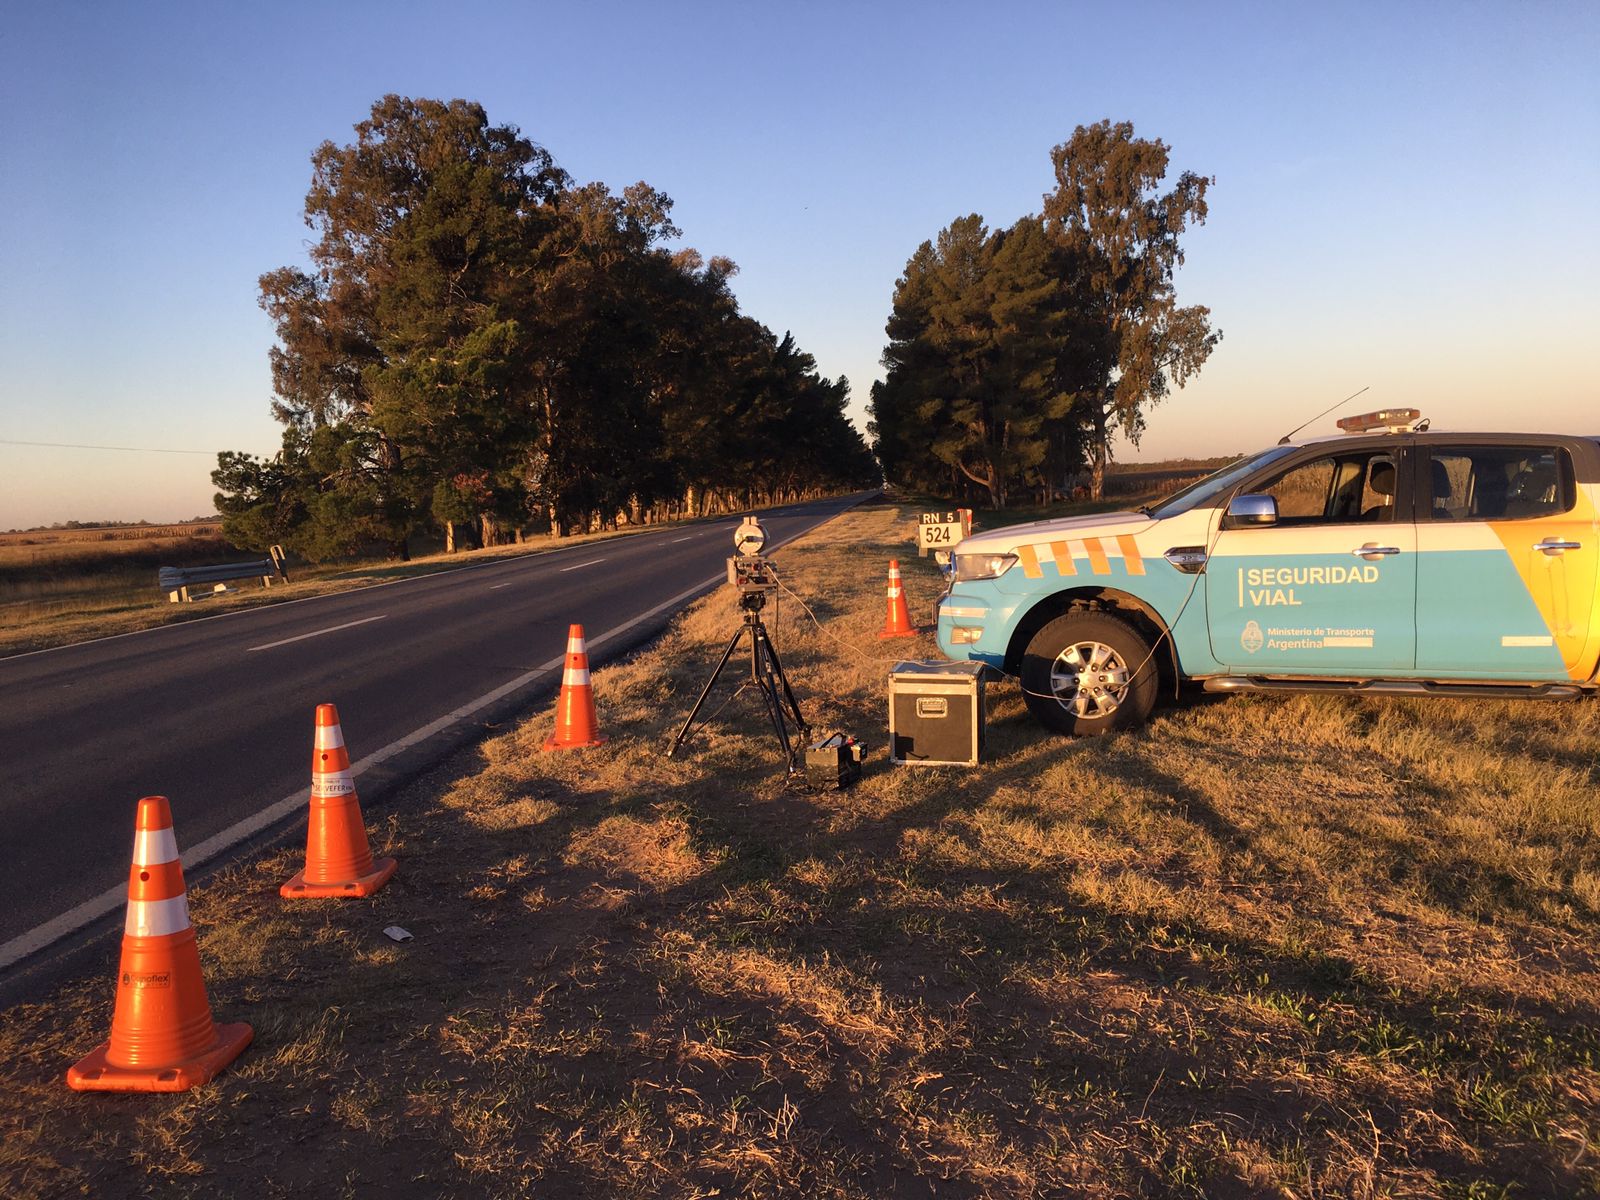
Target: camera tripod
[766,673]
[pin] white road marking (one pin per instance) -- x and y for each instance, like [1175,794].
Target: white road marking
[318,633]
[276,604]
[495,587]
[690,538]
[89,911]
[580,566]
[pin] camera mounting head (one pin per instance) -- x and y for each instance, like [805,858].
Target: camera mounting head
[751,573]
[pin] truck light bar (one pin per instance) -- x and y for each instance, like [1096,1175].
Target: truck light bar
[1391,420]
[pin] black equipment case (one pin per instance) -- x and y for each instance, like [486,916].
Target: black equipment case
[936,715]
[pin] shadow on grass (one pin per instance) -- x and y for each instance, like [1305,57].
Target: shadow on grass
[701,979]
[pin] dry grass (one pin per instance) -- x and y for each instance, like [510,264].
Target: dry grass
[46,574]
[1299,947]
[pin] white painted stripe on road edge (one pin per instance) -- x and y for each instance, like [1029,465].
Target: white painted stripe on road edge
[318,633]
[92,910]
[580,566]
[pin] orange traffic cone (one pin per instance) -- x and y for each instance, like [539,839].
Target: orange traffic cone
[898,623]
[338,860]
[162,1036]
[576,725]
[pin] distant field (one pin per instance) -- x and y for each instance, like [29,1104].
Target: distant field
[1289,947]
[1159,478]
[55,572]
[109,533]
[66,585]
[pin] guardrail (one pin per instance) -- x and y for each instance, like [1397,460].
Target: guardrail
[176,581]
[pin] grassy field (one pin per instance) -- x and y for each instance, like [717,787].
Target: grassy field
[1275,947]
[46,574]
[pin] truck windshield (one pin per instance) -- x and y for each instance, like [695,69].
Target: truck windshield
[1218,483]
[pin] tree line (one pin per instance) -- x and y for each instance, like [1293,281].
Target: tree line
[483,347]
[1016,354]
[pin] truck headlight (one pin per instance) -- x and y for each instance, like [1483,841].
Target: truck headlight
[983,566]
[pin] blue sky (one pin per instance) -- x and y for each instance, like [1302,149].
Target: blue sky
[1404,200]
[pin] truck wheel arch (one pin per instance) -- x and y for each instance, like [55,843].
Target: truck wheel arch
[1129,607]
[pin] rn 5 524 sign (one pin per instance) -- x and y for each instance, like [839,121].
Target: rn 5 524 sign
[942,529]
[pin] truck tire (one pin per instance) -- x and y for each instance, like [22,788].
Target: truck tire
[1088,673]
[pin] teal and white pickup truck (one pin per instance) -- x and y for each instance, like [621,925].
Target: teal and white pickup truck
[1389,560]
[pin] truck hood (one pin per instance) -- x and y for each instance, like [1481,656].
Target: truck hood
[1107,524]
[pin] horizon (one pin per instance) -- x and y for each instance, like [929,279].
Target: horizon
[1388,187]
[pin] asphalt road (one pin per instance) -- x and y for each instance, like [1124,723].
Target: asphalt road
[217,714]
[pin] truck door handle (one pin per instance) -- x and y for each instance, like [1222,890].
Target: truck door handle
[1370,551]
[1554,546]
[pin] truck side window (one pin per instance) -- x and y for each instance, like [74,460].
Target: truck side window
[1499,483]
[1337,489]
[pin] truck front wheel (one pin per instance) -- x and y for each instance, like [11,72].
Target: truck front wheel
[1087,673]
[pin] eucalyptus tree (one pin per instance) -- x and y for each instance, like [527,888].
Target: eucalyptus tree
[1121,235]
[588,311]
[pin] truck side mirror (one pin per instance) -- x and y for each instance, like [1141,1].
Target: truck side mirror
[1251,510]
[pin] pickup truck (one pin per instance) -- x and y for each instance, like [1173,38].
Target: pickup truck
[1388,559]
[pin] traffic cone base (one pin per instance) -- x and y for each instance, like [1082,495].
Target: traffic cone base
[94,1073]
[577,727]
[554,742]
[298,889]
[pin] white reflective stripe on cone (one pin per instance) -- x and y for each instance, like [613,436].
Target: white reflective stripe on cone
[331,783]
[575,676]
[157,918]
[574,645]
[329,737]
[152,847]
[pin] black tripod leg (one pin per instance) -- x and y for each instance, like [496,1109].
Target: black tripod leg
[683,734]
[769,697]
[788,692]
[772,675]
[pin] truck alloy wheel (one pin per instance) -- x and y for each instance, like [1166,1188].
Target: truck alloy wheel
[1087,674]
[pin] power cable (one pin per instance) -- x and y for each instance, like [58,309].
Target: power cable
[80,446]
